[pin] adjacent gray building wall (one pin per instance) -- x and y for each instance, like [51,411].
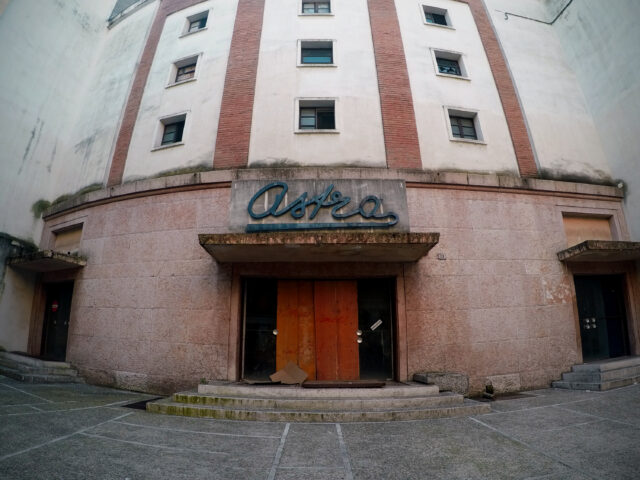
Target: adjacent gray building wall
[600,42]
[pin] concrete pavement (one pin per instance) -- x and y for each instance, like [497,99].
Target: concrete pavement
[77,431]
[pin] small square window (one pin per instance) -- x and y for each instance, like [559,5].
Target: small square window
[435,16]
[171,130]
[317,115]
[449,63]
[183,70]
[197,22]
[172,133]
[316,52]
[464,125]
[450,67]
[310,8]
[186,72]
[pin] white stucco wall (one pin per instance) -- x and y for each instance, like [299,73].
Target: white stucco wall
[431,92]
[565,137]
[63,83]
[353,83]
[200,99]
[600,42]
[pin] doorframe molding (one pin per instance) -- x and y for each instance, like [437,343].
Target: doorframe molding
[316,271]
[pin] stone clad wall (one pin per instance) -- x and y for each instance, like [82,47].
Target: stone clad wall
[150,310]
[497,302]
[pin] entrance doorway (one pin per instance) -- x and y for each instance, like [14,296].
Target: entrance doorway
[56,321]
[333,329]
[602,313]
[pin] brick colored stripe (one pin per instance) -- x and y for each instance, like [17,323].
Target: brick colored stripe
[506,90]
[396,102]
[234,127]
[119,159]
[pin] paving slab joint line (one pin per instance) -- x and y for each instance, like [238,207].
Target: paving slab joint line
[602,419]
[276,460]
[154,445]
[70,409]
[182,430]
[345,454]
[559,405]
[27,393]
[64,437]
[535,449]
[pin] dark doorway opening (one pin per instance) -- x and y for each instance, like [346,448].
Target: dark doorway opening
[602,314]
[56,321]
[335,330]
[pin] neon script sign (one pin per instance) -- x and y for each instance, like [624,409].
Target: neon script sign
[369,211]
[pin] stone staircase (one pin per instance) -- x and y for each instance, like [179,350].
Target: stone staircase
[603,375]
[33,370]
[237,401]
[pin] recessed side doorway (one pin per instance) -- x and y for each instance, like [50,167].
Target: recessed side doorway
[602,314]
[335,330]
[56,321]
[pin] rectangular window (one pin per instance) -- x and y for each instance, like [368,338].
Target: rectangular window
[436,16]
[186,72]
[450,67]
[314,52]
[317,118]
[172,132]
[463,127]
[197,22]
[316,7]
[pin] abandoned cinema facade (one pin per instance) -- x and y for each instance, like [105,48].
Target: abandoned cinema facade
[367,188]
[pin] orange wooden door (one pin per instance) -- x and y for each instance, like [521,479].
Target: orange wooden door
[295,323]
[336,324]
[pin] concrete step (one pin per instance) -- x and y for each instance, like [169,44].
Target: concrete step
[596,386]
[396,390]
[167,406]
[34,370]
[363,403]
[27,377]
[607,365]
[594,376]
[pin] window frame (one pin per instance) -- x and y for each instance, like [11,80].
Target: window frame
[315,103]
[316,13]
[186,30]
[194,59]
[472,115]
[169,120]
[301,45]
[425,8]
[437,53]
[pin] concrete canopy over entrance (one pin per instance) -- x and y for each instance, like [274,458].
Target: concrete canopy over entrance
[601,251]
[319,246]
[46,261]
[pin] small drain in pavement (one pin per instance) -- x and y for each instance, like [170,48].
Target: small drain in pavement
[142,405]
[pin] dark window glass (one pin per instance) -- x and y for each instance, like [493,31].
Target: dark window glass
[317,118]
[451,67]
[316,7]
[435,18]
[463,127]
[198,24]
[317,55]
[186,72]
[172,132]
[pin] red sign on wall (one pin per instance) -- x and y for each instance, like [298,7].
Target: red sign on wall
[54,306]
